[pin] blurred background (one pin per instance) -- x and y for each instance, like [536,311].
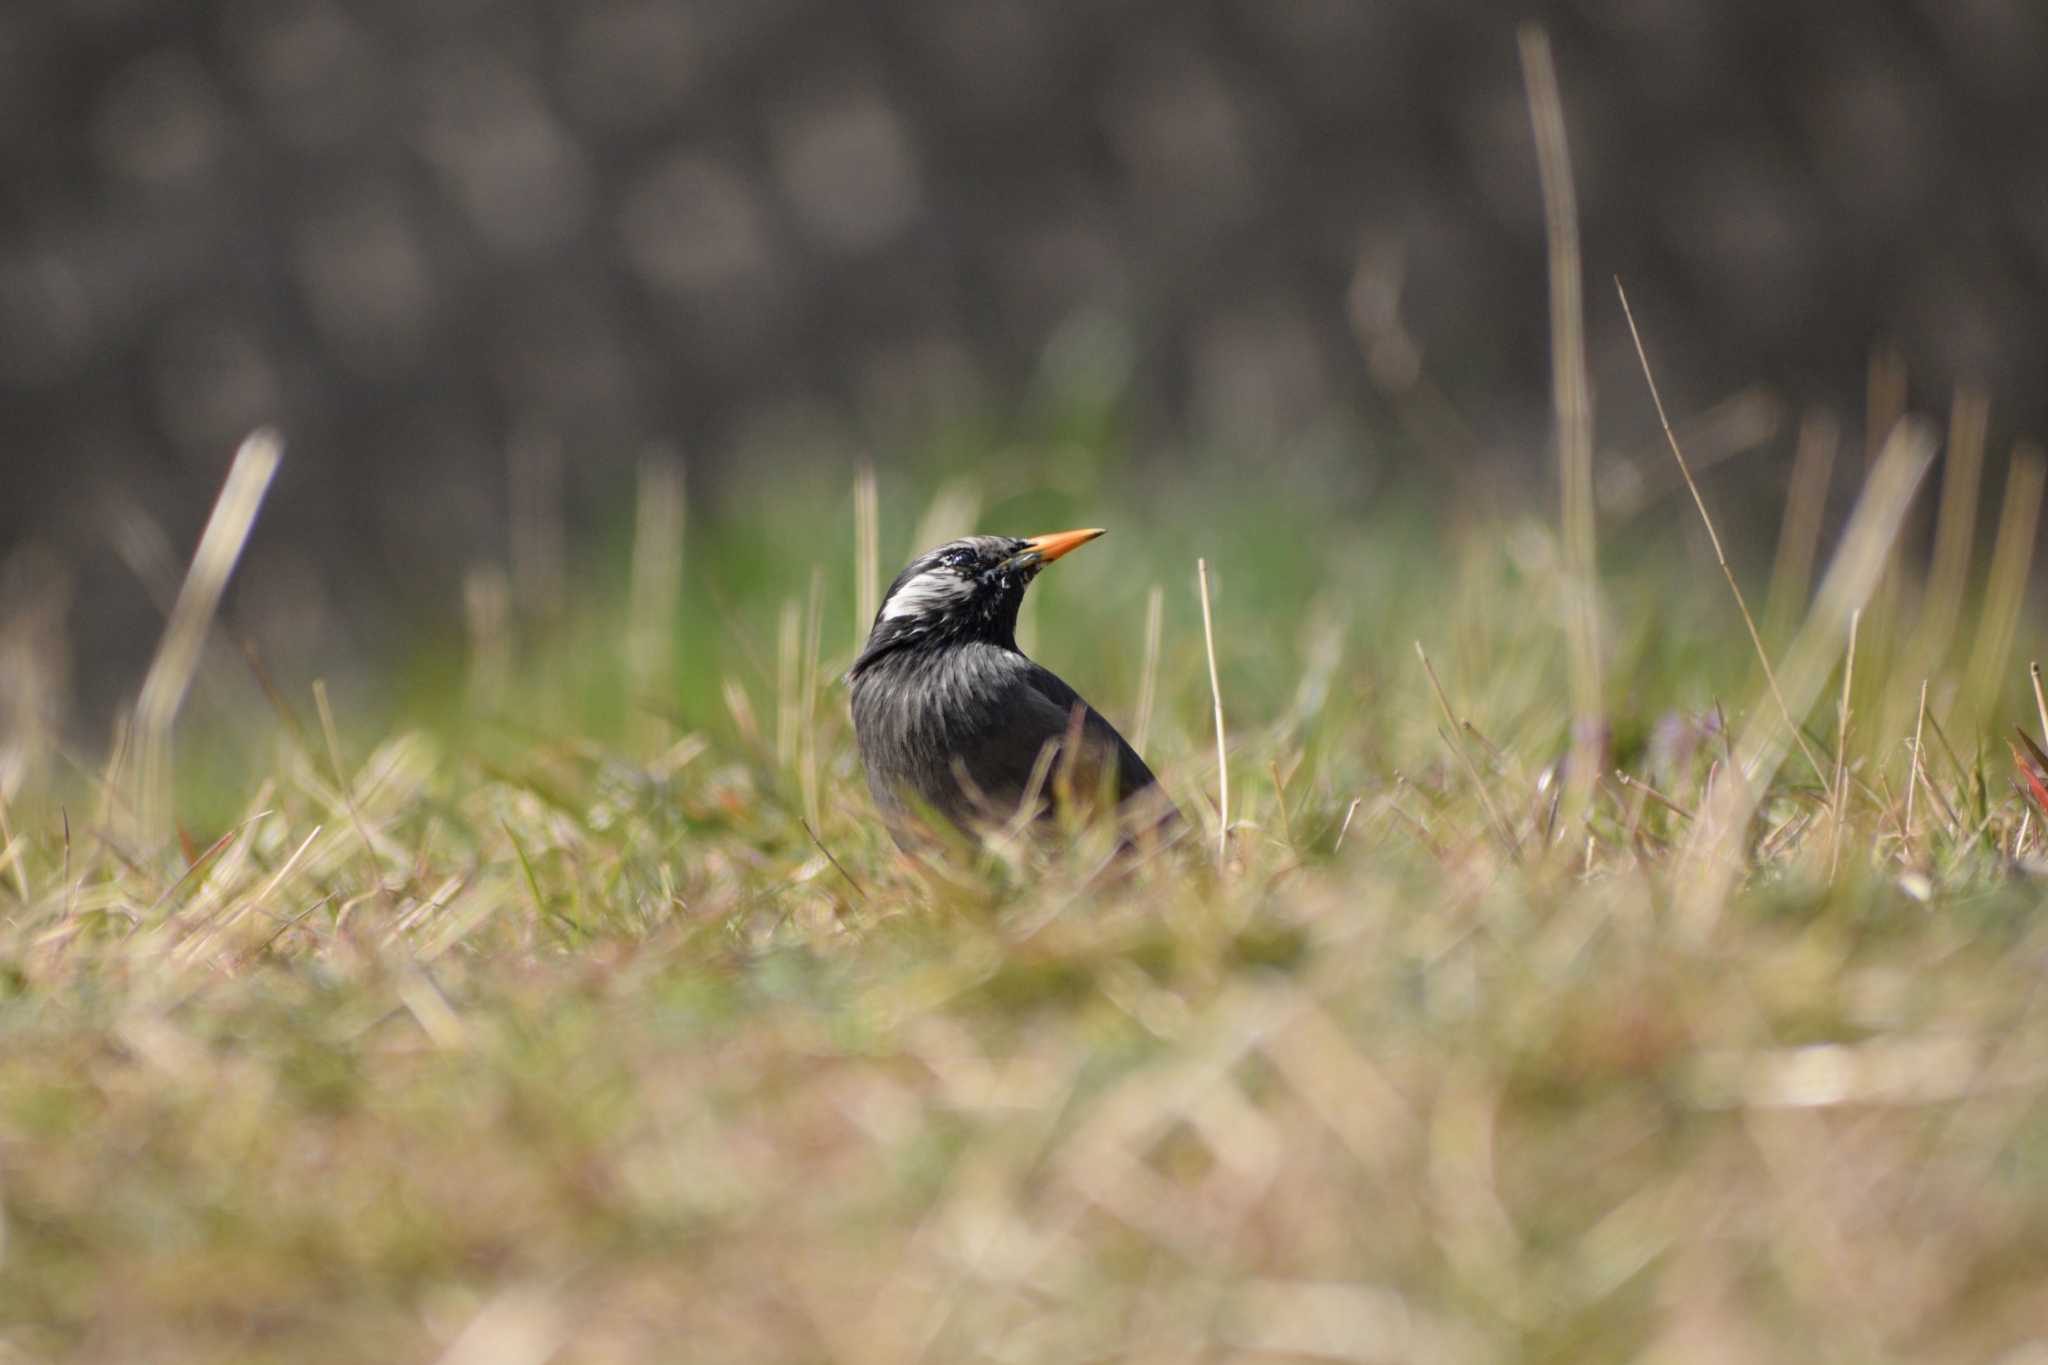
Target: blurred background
[481,259]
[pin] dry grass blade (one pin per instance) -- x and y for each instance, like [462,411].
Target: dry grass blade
[10,853]
[2012,556]
[1806,500]
[807,724]
[1571,395]
[1280,801]
[1345,828]
[1637,784]
[540,904]
[1923,650]
[1744,422]
[1858,564]
[838,866]
[867,550]
[177,657]
[1841,785]
[2040,701]
[195,946]
[1504,831]
[1148,677]
[1861,557]
[2031,770]
[1884,409]
[1913,777]
[278,704]
[2035,753]
[1216,695]
[1948,751]
[524,1325]
[789,636]
[1785,710]
[342,783]
[203,860]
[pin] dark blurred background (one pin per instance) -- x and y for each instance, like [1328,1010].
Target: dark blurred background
[465,252]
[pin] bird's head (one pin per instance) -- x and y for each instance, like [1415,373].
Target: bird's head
[964,590]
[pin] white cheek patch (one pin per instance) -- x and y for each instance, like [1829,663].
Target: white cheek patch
[929,594]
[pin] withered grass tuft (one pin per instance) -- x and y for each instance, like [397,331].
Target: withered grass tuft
[570,1023]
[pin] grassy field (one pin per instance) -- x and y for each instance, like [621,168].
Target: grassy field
[574,1007]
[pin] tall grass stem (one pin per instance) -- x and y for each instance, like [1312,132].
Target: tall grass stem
[1216,696]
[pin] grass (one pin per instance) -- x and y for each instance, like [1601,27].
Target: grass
[530,1022]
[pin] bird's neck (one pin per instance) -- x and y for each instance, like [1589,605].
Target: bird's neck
[904,638]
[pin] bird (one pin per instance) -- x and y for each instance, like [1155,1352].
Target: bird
[953,721]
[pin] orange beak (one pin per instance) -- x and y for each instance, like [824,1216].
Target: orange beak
[1049,548]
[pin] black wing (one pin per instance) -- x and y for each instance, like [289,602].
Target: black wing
[972,742]
[1131,773]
